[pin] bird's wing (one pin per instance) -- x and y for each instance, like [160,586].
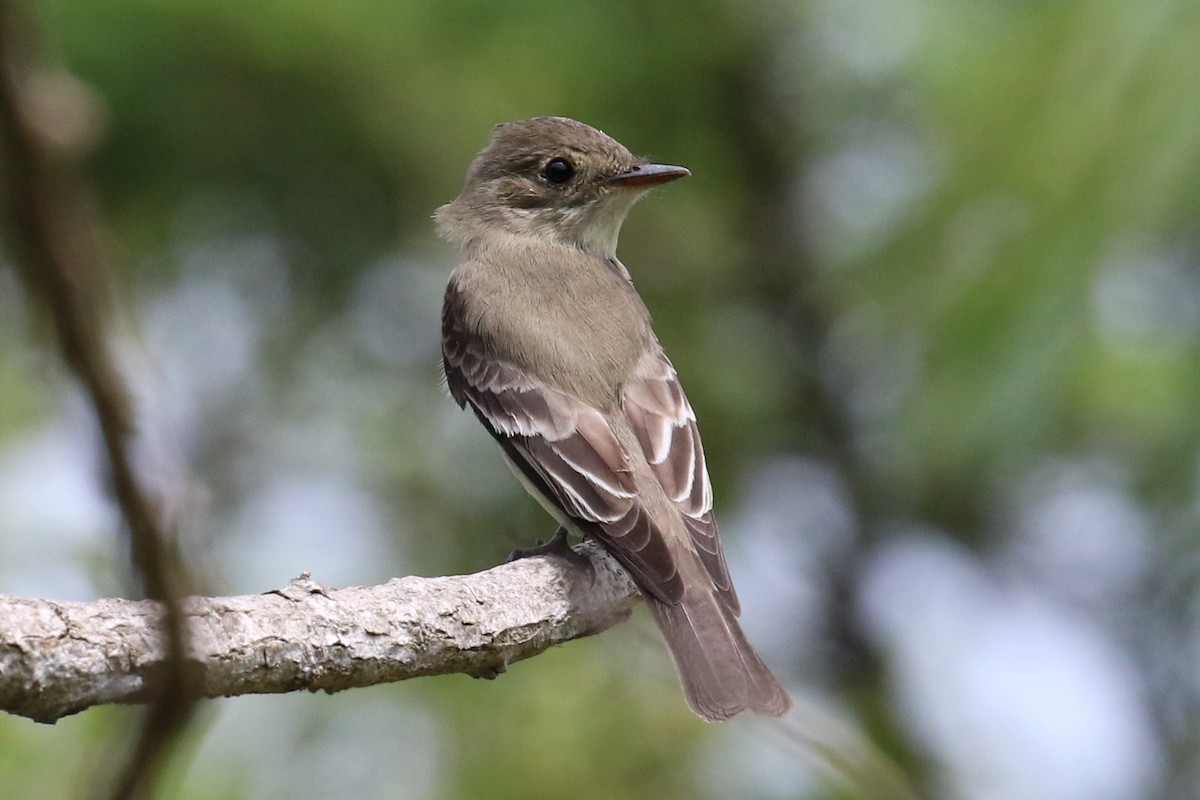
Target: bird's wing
[662,418]
[566,448]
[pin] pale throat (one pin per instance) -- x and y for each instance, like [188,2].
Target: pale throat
[593,227]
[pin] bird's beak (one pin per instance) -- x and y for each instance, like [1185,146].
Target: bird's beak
[648,175]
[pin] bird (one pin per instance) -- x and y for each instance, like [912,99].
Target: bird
[546,340]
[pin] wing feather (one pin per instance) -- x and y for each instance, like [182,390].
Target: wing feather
[665,426]
[566,449]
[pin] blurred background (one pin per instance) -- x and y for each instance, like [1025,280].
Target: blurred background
[933,289]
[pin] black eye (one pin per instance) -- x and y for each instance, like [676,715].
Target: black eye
[558,170]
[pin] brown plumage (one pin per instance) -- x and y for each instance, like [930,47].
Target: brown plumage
[545,338]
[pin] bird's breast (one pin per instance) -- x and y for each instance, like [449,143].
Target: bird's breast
[568,317]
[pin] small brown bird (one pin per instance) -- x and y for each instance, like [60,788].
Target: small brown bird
[545,338]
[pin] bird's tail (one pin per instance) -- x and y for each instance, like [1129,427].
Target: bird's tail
[721,673]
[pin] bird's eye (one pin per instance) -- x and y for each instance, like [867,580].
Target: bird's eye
[558,170]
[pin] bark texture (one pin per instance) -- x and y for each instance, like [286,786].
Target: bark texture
[60,658]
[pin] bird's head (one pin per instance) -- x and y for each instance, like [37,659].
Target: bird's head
[555,179]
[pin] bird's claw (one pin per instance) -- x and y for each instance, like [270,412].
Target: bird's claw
[556,545]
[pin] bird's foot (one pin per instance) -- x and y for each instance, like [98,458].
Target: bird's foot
[556,545]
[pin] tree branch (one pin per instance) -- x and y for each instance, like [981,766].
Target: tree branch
[59,658]
[57,235]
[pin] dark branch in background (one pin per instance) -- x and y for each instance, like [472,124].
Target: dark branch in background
[785,281]
[56,237]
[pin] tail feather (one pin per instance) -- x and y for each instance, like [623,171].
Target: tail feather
[721,673]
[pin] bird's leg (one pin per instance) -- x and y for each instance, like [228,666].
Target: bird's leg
[556,545]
